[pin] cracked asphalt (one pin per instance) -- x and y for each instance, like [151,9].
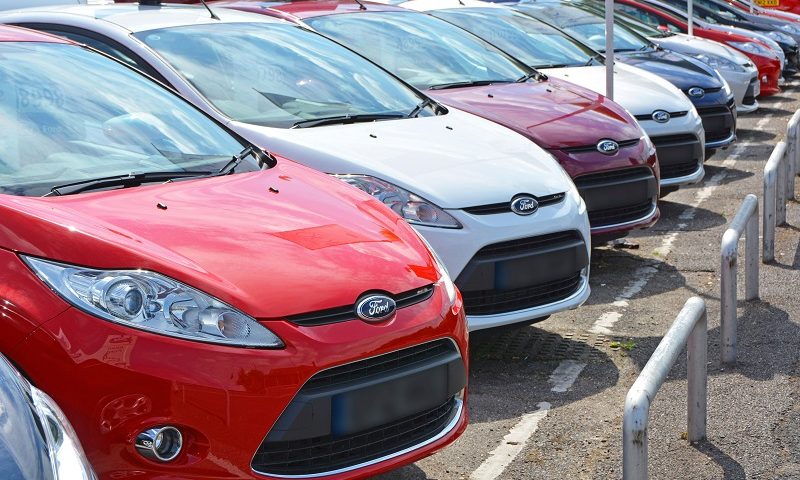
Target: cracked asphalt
[753,412]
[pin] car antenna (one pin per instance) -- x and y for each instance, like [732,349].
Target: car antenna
[210,12]
[361,6]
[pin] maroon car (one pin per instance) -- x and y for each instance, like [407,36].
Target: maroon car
[610,158]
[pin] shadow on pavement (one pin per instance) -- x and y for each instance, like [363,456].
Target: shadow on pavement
[730,467]
[751,135]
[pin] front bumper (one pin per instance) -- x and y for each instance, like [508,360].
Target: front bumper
[114,382]
[490,269]
[749,103]
[719,124]
[680,146]
[741,84]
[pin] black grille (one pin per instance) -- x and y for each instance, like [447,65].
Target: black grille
[612,176]
[611,216]
[707,90]
[669,139]
[593,148]
[649,116]
[380,365]
[505,207]
[678,169]
[525,245]
[718,122]
[325,454]
[488,302]
[347,312]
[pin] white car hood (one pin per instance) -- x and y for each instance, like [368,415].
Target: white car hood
[630,83]
[694,45]
[455,160]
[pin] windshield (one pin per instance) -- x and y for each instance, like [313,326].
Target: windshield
[60,127]
[525,38]
[278,74]
[424,51]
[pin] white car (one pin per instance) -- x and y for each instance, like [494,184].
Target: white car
[665,113]
[311,100]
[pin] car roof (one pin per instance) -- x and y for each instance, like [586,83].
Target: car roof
[427,5]
[317,8]
[137,18]
[17,34]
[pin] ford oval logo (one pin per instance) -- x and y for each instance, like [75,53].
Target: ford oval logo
[607,147]
[374,308]
[524,205]
[696,92]
[661,116]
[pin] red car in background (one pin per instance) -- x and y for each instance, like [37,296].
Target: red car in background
[609,157]
[219,313]
[769,68]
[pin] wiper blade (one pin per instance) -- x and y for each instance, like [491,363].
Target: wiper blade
[534,74]
[129,180]
[549,65]
[235,161]
[346,119]
[595,58]
[472,83]
[419,108]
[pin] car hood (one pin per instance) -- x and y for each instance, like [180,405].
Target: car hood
[455,160]
[272,243]
[681,71]
[554,113]
[695,45]
[629,83]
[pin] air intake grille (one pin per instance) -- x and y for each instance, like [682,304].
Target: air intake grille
[505,207]
[490,302]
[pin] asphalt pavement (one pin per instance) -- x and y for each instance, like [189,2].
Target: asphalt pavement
[546,401]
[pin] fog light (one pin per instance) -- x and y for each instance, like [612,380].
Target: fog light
[160,443]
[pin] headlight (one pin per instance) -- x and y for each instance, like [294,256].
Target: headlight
[415,209]
[780,37]
[720,63]
[752,47]
[444,275]
[150,301]
[66,455]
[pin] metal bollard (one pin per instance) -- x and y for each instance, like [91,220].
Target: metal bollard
[772,200]
[689,328]
[793,140]
[745,222]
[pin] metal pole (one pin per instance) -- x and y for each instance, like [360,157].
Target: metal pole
[771,201]
[742,223]
[697,377]
[728,269]
[690,329]
[780,191]
[610,49]
[690,13]
[751,258]
[791,154]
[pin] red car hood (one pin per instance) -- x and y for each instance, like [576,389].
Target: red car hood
[315,244]
[554,114]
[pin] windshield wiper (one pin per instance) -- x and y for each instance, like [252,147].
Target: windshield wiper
[128,180]
[235,161]
[419,108]
[549,65]
[346,119]
[595,58]
[534,74]
[471,83]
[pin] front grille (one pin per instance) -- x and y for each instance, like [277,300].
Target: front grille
[750,94]
[707,90]
[489,302]
[612,176]
[613,216]
[325,454]
[505,207]
[718,122]
[593,148]
[380,365]
[649,116]
[526,245]
[678,169]
[347,312]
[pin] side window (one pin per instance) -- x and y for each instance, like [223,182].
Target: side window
[103,44]
[641,15]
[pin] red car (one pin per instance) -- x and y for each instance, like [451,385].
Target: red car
[769,67]
[200,308]
[611,160]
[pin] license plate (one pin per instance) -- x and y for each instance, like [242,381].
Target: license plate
[389,401]
[768,3]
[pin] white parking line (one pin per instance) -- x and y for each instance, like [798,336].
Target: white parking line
[565,375]
[513,443]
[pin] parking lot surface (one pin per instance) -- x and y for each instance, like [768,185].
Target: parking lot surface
[546,401]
